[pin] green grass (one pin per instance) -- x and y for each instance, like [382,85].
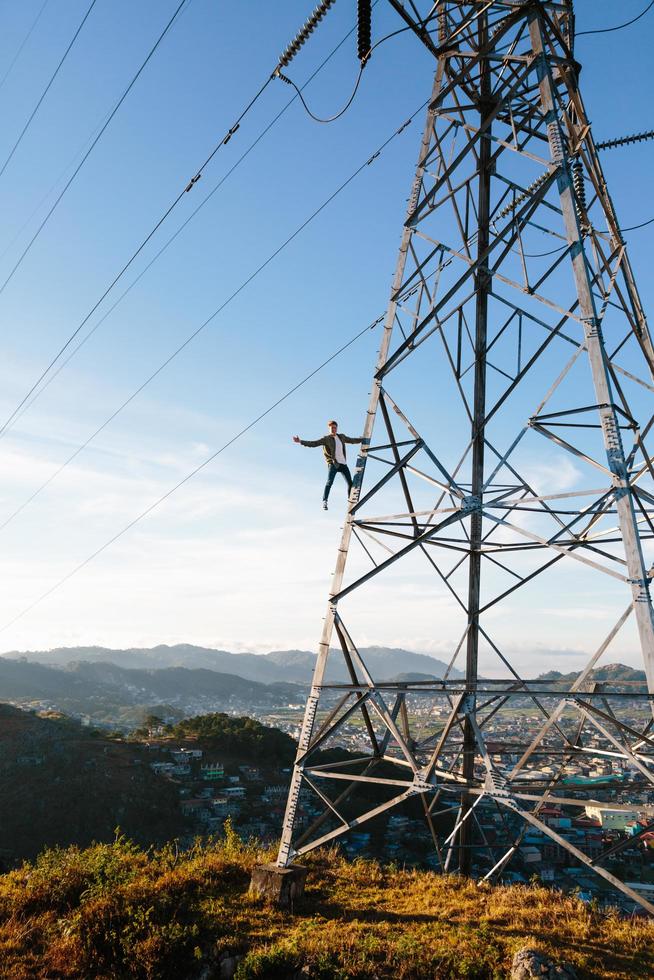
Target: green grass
[116,911]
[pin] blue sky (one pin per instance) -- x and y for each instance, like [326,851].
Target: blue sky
[242,556]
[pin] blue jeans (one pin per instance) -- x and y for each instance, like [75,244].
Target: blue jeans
[332,470]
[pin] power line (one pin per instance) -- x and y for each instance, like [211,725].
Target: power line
[643,224]
[236,292]
[364,58]
[23,43]
[188,186]
[65,170]
[47,88]
[28,403]
[52,189]
[364,62]
[222,142]
[91,148]
[148,510]
[618,27]
[280,248]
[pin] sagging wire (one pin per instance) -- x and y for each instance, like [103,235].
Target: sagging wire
[618,27]
[38,386]
[364,24]
[320,119]
[364,62]
[643,224]
[364,51]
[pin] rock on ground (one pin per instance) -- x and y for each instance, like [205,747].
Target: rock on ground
[529,963]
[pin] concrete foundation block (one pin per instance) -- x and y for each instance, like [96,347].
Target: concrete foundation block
[283,887]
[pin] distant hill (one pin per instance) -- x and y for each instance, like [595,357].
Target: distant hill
[104,690]
[285,666]
[60,784]
[244,740]
[613,675]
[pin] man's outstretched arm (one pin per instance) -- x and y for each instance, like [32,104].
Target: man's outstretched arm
[354,440]
[310,443]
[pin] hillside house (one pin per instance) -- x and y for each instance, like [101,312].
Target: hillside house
[610,818]
[191,808]
[186,755]
[212,771]
[234,792]
[162,768]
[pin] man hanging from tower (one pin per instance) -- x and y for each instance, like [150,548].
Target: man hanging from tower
[333,447]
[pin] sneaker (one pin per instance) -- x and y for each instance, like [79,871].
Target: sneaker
[324,505]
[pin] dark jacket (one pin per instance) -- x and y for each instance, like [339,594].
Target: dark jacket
[329,445]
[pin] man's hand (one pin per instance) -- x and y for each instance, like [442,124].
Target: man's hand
[296,438]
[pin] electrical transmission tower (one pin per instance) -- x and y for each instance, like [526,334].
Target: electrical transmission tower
[504,477]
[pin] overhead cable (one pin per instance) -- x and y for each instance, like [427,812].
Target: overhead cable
[53,187]
[319,119]
[189,476]
[28,403]
[363,38]
[113,112]
[243,285]
[618,27]
[289,81]
[23,43]
[47,88]
[187,187]
[38,384]
[191,337]
[55,184]
[643,224]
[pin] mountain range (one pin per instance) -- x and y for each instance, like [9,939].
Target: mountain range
[285,666]
[120,687]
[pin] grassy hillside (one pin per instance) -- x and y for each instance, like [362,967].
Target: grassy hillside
[62,784]
[115,911]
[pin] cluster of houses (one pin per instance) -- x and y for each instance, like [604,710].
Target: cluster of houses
[254,799]
[210,792]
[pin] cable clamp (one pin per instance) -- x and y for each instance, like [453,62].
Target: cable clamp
[230,133]
[192,182]
[373,157]
[404,126]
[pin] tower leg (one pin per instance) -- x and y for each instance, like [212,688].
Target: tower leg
[285,850]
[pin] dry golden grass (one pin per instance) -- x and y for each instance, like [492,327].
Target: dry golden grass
[113,911]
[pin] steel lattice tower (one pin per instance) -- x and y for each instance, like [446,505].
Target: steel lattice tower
[511,405]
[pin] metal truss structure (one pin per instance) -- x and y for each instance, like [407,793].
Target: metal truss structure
[511,406]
